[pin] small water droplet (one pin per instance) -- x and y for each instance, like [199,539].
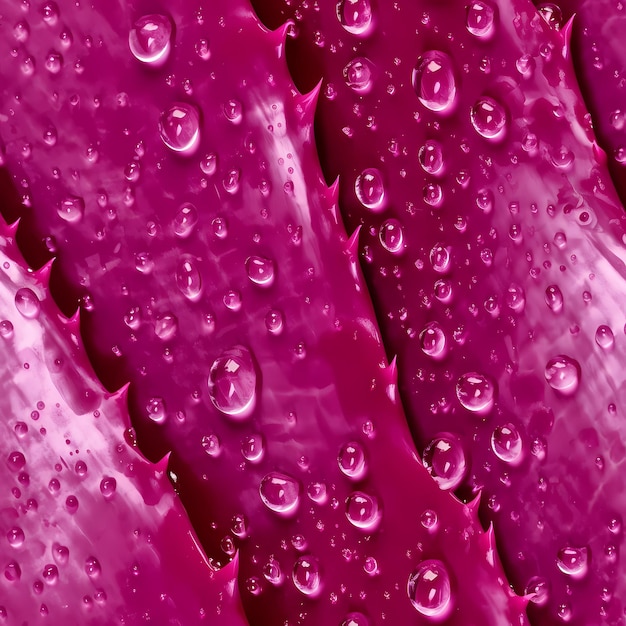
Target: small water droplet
[50,574]
[433,341]
[358,74]
[573,561]
[108,485]
[489,118]
[71,209]
[150,39]
[317,492]
[185,220]
[155,410]
[444,458]
[232,383]
[434,81]
[370,189]
[391,236]
[53,62]
[538,590]
[211,445]
[515,298]
[476,392]
[355,16]
[6,329]
[605,337]
[362,511]
[306,575]
[233,111]
[189,279]
[429,519]
[430,157]
[60,554]
[274,322]
[506,444]
[260,270]
[280,493]
[352,461]
[480,19]
[15,537]
[27,303]
[429,589]
[440,258]
[232,300]
[92,567]
[253,448]
[165,326]
[179,127]
[272,572]
[552,14]
[562,373]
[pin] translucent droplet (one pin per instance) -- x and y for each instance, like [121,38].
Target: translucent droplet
[370,189]
[358,74]
[71,209]
[233,111]
[515,298]
[12,571]
[274,322]
[232,382]
[355,619]
[429,519]
[253,447]
[165,326]
[60,554]
[50,574]
[434,81]
[260,270]
[156,409]
[15,537]
[480,19]
[444,459]
[27,303]
[280,493]
[352,461]
[605,337]
[538,590]
[317,492]
[573,561]
[563,374]
[272,572]
[108,485]
[489,118]
[53,62]
[391,236]
[211,445]
[150,39]
[506,444]
[552,14]
[6,329]
[92,567]
[430,157]
[232,300]
[362,511]
[554,298]
[306,575]
[185,220]
[476,392]
[189,279]
[355,15]
[179,128]
[440,258]
[433,341]
[429,589]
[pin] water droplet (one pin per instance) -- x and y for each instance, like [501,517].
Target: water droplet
[233,111]
[272,572]
[489,118]
[362,511]
[144,262]
[391,236]
[92,567]
[317,492]
[156,409]
[306,575]
[573,561]
[232,382]
[370,189]
[538,590]
[150,39]
[72,209]
[253,447]
[108,485]
[554,298]
[232,300]
[434,81]
[208,164]
[12,571]
[440,258]
[274,322]
[179,128]
[355,619]
[506,444]
[15,537]
[433,341]
[165,326]
[211,445]
[429,589]
[604,337]
[429,519]
[480,19]
[358,74]
[16,461]
[476,392]
[185,220]
[260,270]
[27,303]
[189,279]
[355,15]
[430,157]
[53,62]
[515,298]
[444,459]
[563,374]
[552,14]
[60,554]
[352,461]
[6,329]
[280,493]
[50,574]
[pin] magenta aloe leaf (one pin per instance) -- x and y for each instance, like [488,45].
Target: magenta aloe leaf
[174,174]
[90,532]
[493,243]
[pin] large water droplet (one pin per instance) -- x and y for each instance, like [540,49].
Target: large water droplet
[433,341]
[108,486]
[476,392]
[573,561]
[488,118]
[429,589]
[362,511]
[355,619]
[71,209]
[27,303]
[185,220]
[280,493]
[306,575]
[480,19]
[150,39]
[179,128]
[352,461]
[370,189]
[260,270]
[434,82]
[391,236]
[605,337]
[355,15]
[563,374]
[440,258]
[444,459]
[253,447]
[358,74]
[156,409]
[506,444]
[430,157]
[232,382]
[554,298]
[188,279]
[552,14]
